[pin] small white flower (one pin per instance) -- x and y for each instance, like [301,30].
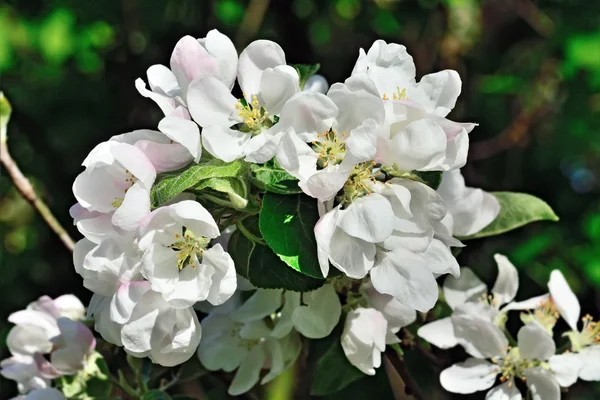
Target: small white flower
[116,182]
[469,209]
[178,261]
[419,137]
[469,294]
[239,338]
[214,56]
[372,325]
[127,311]
[42,394]
[531,361]
[24,371]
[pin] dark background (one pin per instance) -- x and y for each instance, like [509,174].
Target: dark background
[531,79]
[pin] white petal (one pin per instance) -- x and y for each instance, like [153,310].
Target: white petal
[308,113]
[189,60]
[257,57]
[441,91]
[183,334]
[285,324]
[195,217]
[70,306]
[358,100]
[224,280]
[165,156]
[28,340]
[590,359]
[296,156]
[211,103]
[35,318]
[262,303]
[440,259]
[262,148]
[134,160]
[468,377]
[135,207]
[535,343]
[326,183]
[324,229]
[363,338]
[565,300]
[405,276]
[224,143]
[184,132]
[145,328]
[124,301]
[528,304]
[352,256]
[162,80]
[397,314]
[166,104]
[468,287]
[159,266]
[478,335]
[542,385]
[248,373]
[278,85]
[439,333]
[507,391]
[369,218]
[507,282]
[320,315]
[273,347]
[362,141]
[566,368]
[420,145]
[222,49]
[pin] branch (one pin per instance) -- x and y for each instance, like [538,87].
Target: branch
[255,12]
[28,192]
[411,387]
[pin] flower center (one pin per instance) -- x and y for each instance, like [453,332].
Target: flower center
[359,182]
[187,246]
[253,115]
[330,147]
[129,182]
[397,95]
[512,365]
[545,314]
[247,344]
[589,335]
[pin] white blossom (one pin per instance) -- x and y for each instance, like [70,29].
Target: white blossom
[42,394]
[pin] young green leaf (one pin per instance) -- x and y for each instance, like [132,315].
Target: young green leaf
[270,177]
[305,71]
[264,269]
[516,210]
[286,224]
[235,188]
[171,184]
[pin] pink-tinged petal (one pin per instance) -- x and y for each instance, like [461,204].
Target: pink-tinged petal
[257,57]
[184,132]
[211,103]
[165,156]
[166,104]
[36,318]
[190,60]
[125,300]
[136,162]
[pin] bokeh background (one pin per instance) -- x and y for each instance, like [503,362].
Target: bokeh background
[531,79]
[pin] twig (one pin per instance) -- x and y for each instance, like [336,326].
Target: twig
[252,21]
[28,192]
[411,387]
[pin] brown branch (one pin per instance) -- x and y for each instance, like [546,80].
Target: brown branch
[26,189]
[411,387]
[253,17]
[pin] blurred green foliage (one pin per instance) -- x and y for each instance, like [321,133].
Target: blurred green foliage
[531,79]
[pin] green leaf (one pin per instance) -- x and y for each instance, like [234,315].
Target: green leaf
[264,269]
[271,177]
[333,371]
[287,224]
[91,383]
[171,184]
[516,210]
[305,71]
[433,179]
[156,395]
[235,188]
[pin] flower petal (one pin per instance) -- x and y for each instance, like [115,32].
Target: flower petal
[278,85]
[224,280]
[563,297]
[184,132]
[468,377]
[440,333]
[566,368]
[441,90]
[308,113]
[351,255]
[320,315]
[135,207]
[324,229]
[542,385]
[211,103]
[126,299]
[478,335]
[507,282]
[535,343]
[248,373]
[507,391]
[369,218]
[468,287]
[363,338]
[189,60]
[222,49]
[257,57]
[420,145]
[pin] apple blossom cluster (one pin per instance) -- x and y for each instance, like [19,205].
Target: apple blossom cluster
[268,210]
[478,323]
[48,341]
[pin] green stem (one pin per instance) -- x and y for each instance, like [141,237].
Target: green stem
[124,385]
